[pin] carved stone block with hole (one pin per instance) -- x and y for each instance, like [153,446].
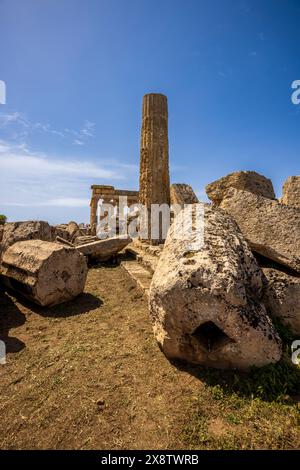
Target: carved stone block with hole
[205,303]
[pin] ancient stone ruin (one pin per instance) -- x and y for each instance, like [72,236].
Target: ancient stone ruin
[210,303]
[108,195]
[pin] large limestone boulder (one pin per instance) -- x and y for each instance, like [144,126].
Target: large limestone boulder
[204,302]
[291,192]
[30,230]
[46,273]
[181,193]
[102,250]
[281,297]
[243,180]
[272,229]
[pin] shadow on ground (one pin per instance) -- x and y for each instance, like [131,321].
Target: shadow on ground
[82,304]
[279,381]
[10,317]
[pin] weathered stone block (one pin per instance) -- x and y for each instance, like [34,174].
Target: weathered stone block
[182,194]
[102,250]
[243,180]
[281,297]
[291,192]
[272,229]
[30,230]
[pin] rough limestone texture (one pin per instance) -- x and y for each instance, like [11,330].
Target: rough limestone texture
[181,193]
[204,302]
[272,229]
[281,297]
[102,250]
[243,180]
[72,229]
[291,192]
[60,231]
[154,160]
[44,272]
[84,239]
[30,230]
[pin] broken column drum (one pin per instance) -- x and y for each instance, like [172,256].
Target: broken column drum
[205,303]
[46,273]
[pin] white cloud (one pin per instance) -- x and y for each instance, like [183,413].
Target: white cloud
[43,166]
[85,133]
[88,129]
[60,202]
[30,179]
[10,118]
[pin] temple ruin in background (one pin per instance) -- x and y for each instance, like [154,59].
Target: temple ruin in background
[109,195]
[154,169]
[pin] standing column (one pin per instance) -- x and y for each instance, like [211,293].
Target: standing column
[93,217]
[154,163]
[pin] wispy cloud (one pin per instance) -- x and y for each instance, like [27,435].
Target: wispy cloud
[20,126]
[85,133]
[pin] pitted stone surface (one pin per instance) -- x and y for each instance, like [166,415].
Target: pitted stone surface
[46,273]
[291,192]
[272,229]
[243,180]
[205,304]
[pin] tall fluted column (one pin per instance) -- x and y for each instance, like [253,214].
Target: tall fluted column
[154,163]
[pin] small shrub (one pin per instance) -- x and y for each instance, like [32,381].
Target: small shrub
[3,219]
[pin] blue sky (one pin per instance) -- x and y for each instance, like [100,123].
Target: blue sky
[76,72]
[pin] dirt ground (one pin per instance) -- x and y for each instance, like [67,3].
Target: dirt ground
[88,375]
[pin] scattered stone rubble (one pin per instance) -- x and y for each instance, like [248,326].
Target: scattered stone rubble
[19,231]
[212,305]
[41,262]
[84,239]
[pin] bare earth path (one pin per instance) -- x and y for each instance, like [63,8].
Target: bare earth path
[90,374]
